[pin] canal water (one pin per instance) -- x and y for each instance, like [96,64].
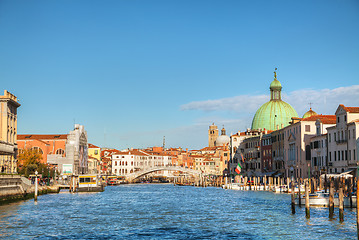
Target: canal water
[151,211]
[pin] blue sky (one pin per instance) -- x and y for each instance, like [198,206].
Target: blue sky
[135,71]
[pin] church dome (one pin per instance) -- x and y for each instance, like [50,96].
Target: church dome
[276,113]
[309,113]
[223,139]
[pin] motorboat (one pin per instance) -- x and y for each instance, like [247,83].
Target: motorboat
[280,189]
[321,199]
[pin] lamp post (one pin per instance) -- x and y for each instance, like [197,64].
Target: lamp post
[35,198]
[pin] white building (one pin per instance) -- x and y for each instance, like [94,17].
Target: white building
[297,151]
[129,161]
[342,140]
[319,146]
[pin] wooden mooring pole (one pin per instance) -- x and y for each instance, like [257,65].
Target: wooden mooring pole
[341,201]
[331,198]
[293,198]
[299,195]
[307,209]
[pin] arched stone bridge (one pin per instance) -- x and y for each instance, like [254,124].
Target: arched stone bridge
[143,172]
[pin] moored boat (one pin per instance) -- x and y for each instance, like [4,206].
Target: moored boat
[321,199]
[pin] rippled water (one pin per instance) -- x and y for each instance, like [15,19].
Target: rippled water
[169,212]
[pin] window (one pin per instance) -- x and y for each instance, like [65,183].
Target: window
[350,155]
[335,156]
[329,137]
[37,149]
[335,137]
[307,128]
[96,152]
[338,119]
[345,118]
[60,151]
[354,157]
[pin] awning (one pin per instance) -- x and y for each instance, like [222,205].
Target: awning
[347,174]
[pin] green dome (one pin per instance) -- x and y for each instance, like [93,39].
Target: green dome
[276,113]
[309,113]
[273,115]
[275,85]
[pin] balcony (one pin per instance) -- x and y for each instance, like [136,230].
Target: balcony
[341,141]
[6,148]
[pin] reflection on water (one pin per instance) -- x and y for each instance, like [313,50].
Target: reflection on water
[168,212]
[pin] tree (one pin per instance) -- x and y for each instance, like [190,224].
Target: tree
[29,161]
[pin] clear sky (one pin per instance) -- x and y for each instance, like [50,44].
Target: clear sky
[137,70]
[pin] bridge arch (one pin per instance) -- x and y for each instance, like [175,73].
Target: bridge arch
[146,171]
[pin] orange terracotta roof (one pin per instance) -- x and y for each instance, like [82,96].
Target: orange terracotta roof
[41,136]
[132,152]
[325,119]
[350,109]
[92,146]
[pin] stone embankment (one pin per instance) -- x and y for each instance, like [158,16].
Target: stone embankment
[15,188]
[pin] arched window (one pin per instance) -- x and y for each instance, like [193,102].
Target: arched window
[60,151]
[37,149]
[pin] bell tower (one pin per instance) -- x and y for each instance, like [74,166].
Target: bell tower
[212,135]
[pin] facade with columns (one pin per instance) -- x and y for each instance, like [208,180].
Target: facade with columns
[8,133]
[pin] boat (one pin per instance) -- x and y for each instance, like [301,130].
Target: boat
[296,189]
[112,180]
[321,199]
[89,183]
[280,189]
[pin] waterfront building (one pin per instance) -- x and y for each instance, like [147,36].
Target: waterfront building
[52,147]
[126,162]
[235,141]
[266,153]
[206,163]
[342,140]
[94,154]
[278,165]
[252,155]
[68,152]
[319,146]
[297,151]
[106,160]
[8,133]
[219,156]
[274,114]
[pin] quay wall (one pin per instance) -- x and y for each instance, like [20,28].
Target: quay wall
[15,188]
